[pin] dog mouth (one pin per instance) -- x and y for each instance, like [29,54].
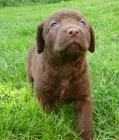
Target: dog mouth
[74,49]
[72,52]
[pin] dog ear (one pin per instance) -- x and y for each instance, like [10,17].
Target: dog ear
[92,40]
[39,38]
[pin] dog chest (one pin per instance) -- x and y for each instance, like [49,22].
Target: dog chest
[64,91]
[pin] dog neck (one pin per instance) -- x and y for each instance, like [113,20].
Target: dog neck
[58,59]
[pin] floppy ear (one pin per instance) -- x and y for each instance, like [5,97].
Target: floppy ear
[92,40]
[39,38]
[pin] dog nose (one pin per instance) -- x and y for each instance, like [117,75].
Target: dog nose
[73,32]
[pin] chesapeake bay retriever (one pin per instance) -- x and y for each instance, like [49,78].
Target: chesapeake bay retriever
[58,67]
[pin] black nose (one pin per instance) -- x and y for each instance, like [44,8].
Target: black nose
[73,32]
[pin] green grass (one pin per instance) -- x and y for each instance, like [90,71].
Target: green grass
[21,117]
[13,3]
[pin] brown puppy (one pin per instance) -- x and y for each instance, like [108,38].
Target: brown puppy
[58,67]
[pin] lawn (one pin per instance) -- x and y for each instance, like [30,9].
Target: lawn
[21,117]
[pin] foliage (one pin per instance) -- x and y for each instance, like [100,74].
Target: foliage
[8,3]
[5,3]
[53,1]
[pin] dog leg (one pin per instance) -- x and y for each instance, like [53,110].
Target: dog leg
[46,103]
[84,115]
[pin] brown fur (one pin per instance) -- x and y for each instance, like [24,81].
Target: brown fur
[58,67]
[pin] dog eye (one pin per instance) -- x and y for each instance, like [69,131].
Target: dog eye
[82,23]
[55,25]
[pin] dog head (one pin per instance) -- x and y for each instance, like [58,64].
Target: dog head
[65,33]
